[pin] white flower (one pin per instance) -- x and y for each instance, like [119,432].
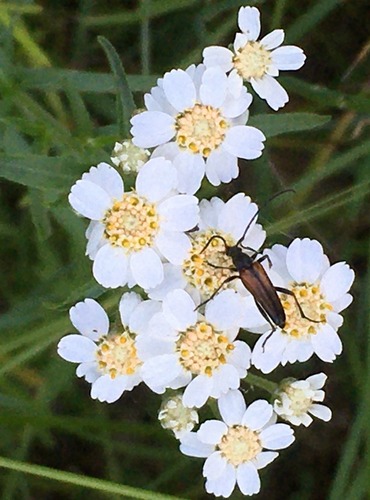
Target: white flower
[295,399]
[107,359]
[129,157]
[185,348]
[131,231]
[322,293]
[257,62]
[234,448]
[197,118]
[228,220]
[174,416]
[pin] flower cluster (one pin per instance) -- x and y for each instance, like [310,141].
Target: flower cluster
[202,278]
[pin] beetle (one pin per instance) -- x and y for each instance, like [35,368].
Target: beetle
[255,279]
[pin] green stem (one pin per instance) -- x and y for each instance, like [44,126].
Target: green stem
[256,380]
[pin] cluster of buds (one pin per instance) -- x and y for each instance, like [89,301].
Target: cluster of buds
[198,262]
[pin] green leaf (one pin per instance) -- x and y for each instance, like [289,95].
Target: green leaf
[272,125]
[125,100]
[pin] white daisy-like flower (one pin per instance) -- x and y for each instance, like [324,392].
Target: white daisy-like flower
[257,62]
[107,359]
[322,293]
[176,417]
[197,119]
[235,447]
[129,157]
[295,399]
[185,348]
[132,231]
[204,270]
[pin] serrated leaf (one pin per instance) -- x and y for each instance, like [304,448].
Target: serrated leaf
[272,125]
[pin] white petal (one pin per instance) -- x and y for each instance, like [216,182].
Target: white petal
[174,246]
[89,371]
[337,281]
[257,414]
[197,392]
[221,166]
[224,310]
[173,278]
[89,200]
[106,389]
[232,407]
[321,411]
[342,303]
[240,357]
[304,258]
[151,128]
[211,431]
[224,484]
[240,41]
[178,308]
[277,437]
[264,458]
[224,379]
[192,447]
[317,381]
[96,239]
[190,172]
[270,90]
[273,39]
[107,178]
[288,57]
[110,267]
[213,88]
[146,268]
[179,89]
[156,178]
[128,303]
[89,318]
[248,479]
[214,466]
[160,371]
[244,142]
[249,22]
[77,349]
[142,315]
[235,106]
[218,56]
[236,214]
[180,213]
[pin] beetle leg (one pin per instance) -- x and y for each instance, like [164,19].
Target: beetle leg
[254,252]
[289,292]
[265,257]
[268,319]
[220,267]
[227,280]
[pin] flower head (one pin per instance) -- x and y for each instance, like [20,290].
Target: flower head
[295,399]
[108,359]
[317,290]
[131,232]
[235,447]
[257,62]
[196,118]
[174,416]
[186,348]
[129,157]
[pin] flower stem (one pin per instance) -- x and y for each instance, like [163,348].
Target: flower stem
[267,385]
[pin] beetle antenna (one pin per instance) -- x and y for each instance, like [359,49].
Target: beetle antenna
[213,238]
[276,195]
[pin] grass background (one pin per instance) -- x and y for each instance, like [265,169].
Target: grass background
[58,116]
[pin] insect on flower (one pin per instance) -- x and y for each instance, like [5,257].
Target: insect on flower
[255,279]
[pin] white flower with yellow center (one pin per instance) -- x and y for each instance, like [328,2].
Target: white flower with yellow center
[295,399]
[257,62]
[235,447]
[322,293]
[176,417]
[197,118]
[129,157]
[185,348]
[107,359]
[132,231]
[204,270]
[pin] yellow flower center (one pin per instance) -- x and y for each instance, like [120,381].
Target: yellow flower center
[131,223]
[202,349]
[200,129]
[117,355]
[300,402]
[313,305]
[252,61]
[239,445]
[197,269]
